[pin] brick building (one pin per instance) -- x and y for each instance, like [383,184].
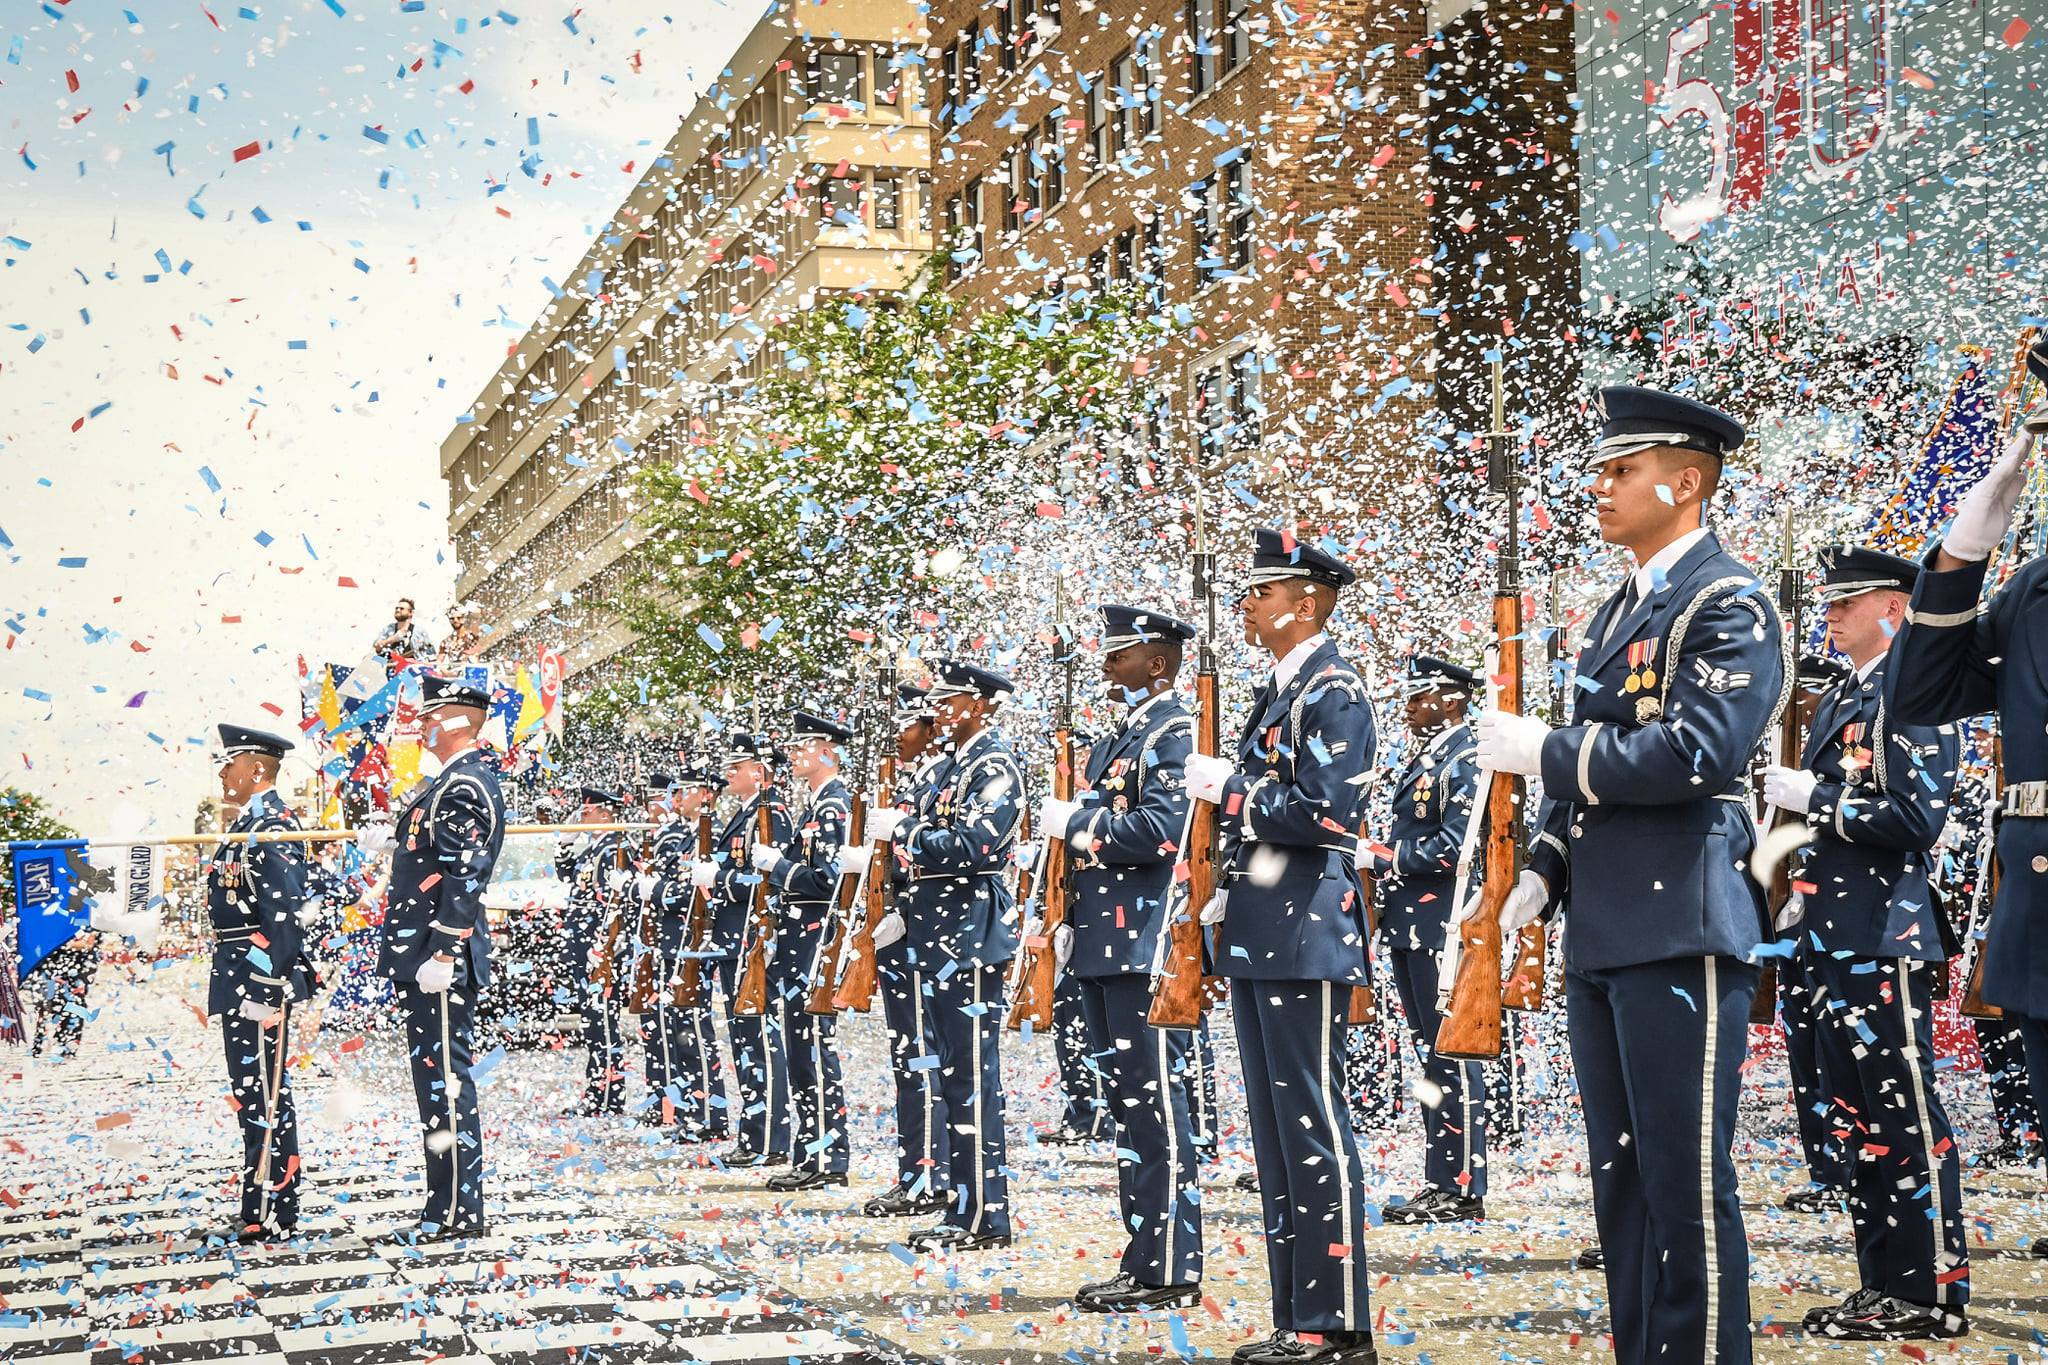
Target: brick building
[802,171]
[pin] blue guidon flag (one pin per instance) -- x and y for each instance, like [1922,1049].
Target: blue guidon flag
[51,898]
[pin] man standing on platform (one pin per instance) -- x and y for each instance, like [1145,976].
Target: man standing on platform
[1645,843]
[957,917]
[1289,924]
[1123,831]
[805,874]
[921,1176]
[254,892]
[758,1062]
[437,944]
[1876,793]
[1418,874]
[1957,658]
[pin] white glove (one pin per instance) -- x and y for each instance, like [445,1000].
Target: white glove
[764,857]
[1790,788]
[852,858]
[1368,859]
[616,880]
[1206,776]
[1062,946]
[1985,510]
[308,914]
[1509,743]
[1212,913]
[435,976]
[376,837]
[256,1011]
[883,822]
[644,885]
[703,874]
[1523,905]
[1793,911]
[1056,817]
[889,929]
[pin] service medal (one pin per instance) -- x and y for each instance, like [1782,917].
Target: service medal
[1648,709]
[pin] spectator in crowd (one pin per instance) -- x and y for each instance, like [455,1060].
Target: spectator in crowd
[403,638]
[465,640]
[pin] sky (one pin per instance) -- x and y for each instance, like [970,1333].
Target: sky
[255,259]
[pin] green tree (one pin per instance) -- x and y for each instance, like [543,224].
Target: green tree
[839,491]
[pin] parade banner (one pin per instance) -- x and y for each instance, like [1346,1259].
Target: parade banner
[49,900]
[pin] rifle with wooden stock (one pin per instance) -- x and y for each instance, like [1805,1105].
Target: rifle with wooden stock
[824,995]
[1180,992]
[1763,1006]
[688,992]
[1038,964]
[857,987]
[646,990]
[1523,990]
[1984,896]
[750,998]
[1365,1006]
[1472,1014]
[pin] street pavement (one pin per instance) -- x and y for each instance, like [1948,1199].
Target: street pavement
[611,1243]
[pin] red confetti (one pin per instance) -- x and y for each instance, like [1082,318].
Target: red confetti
[2016,32]
[247,150]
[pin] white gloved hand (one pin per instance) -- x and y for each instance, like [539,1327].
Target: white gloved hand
[644,885]
[1206,776]
[308,913]
[890,929]
[376,837]
[256,1011]
[1509,743]
[1789,914]
[764,857]
[852,858]
[703,874]
[1790,788]
[1062,946]
[1212,913]
[1986,510]
[616,879]
[883,822]
[1368,858]
[1056,817]
[435,975]
[1523,905]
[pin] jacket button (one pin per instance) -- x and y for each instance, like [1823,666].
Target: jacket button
[2041,862]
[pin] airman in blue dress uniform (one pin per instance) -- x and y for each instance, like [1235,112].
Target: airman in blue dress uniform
[759,1064]
[658,933]
[254,893]
[1645,839]
[1869,935]
[437,944]
[1123,833]
[921,1143]
[1289,926]
[959,937]
[600,907]
[1957,658]
[1417,872]
[697,1078]
[805,873]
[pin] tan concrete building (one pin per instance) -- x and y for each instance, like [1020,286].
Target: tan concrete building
[803,171]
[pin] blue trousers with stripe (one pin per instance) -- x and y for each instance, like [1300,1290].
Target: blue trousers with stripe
[1290,1042]
[913,1055]
[966,1009]
[1452,1095]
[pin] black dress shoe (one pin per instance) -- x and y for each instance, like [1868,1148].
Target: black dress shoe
[791,1181]
[744,1158]
[2041,1247]
[1065,1137]
[1248,1181]
[1135,1296]
[1592,1258]
[1815,1199]
[1251,1348]
[1862,1301]
[1336,1348]
[1113,1284]
[946,1237]
[1435,1206]
[902,1202]
[1890,1319]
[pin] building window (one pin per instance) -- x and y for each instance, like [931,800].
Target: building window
[1096,116]
[969,84]
[1134,95]
[1223,222]
[835,78]
[887,195]
[1006,38]
[839,200]
[1099,277]
[1048,166]
[1217,31]
[923,217]
[1226,405]
[1014,190]
[963,230]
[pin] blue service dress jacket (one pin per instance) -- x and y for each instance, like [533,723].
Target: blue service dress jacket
[1289,819]
[1124,841]
[1953,659]
[253,896]
[1646,790]
[449,836]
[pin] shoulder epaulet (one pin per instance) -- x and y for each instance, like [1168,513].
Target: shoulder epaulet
[1340,676]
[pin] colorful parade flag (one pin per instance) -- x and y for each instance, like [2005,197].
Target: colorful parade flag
[49,898]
